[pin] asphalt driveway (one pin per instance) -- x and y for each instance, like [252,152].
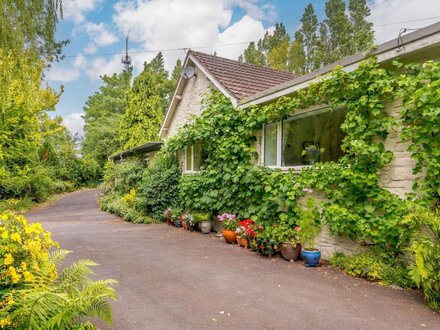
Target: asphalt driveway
[173,279]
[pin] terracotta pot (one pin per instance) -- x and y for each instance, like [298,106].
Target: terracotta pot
[243,242]
[205,227]
[169,222]
[229,235]
[290,252]
[185,225]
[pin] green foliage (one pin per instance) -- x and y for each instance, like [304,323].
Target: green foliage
[310,224]
[373,268]
[420,89]
[159,188]
[67,302]
[30,25]
[146,103]
[102,115]
[284,233]
[32,294]
[199,216]
[424,227]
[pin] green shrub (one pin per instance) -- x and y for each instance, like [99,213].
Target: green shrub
[371,267]
[425,246]
[116,205]
[159,188]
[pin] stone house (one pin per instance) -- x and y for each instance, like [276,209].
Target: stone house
[281,144]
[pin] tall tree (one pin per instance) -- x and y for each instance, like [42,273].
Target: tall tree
[322,47]
[102,115]
[29,25]
[175,75]
[146,102]
[287,57]
[339,30]
[252,55]
[308,38]
[362,30]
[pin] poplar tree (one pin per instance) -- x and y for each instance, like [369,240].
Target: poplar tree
[307,37]
[362,30]
[339,31]
[252,55]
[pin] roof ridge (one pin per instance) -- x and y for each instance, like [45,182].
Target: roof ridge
[244,63]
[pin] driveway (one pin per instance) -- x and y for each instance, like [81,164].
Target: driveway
[173,279]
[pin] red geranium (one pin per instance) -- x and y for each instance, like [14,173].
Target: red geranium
[246,223]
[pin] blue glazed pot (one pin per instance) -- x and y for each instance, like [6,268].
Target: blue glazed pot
[311,257]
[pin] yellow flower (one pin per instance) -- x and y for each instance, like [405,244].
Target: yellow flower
[6,321]
[28,277]
[8,259]
[10,299]
[16,237]
[24,265]
[5,235]
[15,277]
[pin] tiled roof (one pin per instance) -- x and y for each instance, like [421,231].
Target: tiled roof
[241,79]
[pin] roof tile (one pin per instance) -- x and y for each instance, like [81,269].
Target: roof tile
[241,79]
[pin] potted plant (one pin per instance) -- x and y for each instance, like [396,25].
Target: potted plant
[176,217]
[267,245]
[310,227]
[168,216]
[245,232]
[229,222]
[258,230]
[288,241]
[204,221]
[187,220]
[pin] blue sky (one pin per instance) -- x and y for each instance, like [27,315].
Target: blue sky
[97,28]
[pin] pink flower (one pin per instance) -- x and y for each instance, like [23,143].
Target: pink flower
[297,228]
[308,190]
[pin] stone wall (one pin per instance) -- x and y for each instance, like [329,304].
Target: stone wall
[193,93]
[397,176]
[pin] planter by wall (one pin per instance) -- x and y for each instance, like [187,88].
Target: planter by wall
[230,236]
[243,242]
[289,251]
[217,226]
[205,227]
[311,257]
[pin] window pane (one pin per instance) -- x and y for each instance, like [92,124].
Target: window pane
[188,158]
[311,139]
[181,158]
[197,156]
[270,144]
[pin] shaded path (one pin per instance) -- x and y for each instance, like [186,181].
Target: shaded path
[172,279]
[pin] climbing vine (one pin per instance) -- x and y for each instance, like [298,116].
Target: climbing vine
[358,206]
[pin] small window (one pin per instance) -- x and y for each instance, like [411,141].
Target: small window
[270,144]
[194,157]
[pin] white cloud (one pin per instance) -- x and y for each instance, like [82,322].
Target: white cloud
[75,10]
[384,12]
[74,122]
[104,66]
[63,72]
[257,9]
[162,24]
[99,34]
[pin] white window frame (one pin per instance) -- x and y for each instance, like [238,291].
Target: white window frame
[309,112]
[185,170]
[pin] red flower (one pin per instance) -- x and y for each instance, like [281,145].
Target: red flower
[246,223]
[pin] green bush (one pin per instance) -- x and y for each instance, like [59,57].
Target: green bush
[425,246]
[159,188]
[372,267]
[116,205]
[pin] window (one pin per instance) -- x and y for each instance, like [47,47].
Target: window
[192,159]
[304,139]
[270,144]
